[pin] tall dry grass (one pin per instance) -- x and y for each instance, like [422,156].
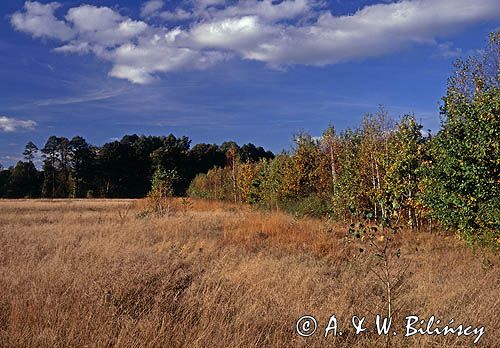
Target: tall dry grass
[96,273]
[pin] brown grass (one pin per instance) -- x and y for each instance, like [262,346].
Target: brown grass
[91,273]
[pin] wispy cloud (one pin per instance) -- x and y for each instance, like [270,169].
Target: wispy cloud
[151,8]
[446,50]
[11,159]
[9,124]
[90,97]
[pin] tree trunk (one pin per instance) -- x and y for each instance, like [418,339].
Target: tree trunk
[334,172]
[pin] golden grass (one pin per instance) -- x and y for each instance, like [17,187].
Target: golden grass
[91,273]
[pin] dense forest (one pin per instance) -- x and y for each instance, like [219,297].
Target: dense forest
[73,168]
[383,170]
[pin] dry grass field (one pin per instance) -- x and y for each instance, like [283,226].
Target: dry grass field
[97,273]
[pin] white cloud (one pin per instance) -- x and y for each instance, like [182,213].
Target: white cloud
[150,8]
[138,62]
[276,33]
[203,4]
[373,31]
[89,97]
[240,33]
[446,50]
[266,9]
[74,47]
[102,27]
[177,15]
[39,21]
[9,124]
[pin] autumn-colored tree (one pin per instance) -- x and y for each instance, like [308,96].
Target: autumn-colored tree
[247,174]
[329,165]
[233,163]
[402,164]
[374,144]
[346,201]
[301,172]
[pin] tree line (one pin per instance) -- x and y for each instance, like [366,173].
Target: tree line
[384,170]
[389,171]
[72,168]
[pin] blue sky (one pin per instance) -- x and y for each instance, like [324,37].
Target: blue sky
[250,71]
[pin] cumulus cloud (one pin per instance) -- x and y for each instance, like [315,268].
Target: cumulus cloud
[138,62]
[39,21]
[375,30]
[9,124]
[102,26]
[240,33]
[276,33]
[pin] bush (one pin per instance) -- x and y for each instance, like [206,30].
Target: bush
[312,206]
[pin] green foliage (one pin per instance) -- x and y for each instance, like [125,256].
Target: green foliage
[162,183]
[463,176]
[30,151]
[198,187]
[406,151]
[81,167]
[313,206]
[463,181]
[24,181]
[56,167]
[4,180]
[345,201]
[268,187]
[162,187]
[216,184]
[121,168]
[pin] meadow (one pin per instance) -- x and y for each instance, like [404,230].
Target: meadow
[100,273]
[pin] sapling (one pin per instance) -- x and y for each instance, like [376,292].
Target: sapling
[385,264]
